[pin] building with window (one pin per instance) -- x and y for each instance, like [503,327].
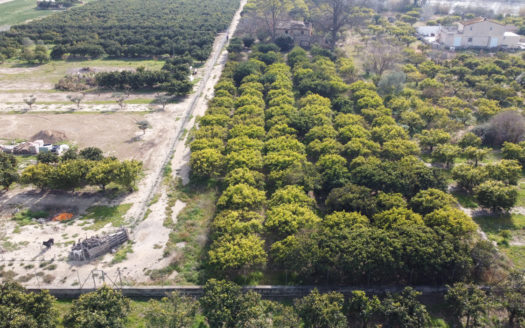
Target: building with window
[300,32]
[477,33]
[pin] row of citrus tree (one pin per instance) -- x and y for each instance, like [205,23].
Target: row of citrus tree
[323,188]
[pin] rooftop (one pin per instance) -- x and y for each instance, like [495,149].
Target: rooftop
[292,25]
[477,20]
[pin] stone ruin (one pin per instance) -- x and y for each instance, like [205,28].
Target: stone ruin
[96,246]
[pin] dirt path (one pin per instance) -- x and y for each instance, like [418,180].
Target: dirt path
[180,160]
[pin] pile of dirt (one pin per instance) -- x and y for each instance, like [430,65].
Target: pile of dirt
[50,136]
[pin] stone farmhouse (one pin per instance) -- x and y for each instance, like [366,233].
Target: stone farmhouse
[300,32]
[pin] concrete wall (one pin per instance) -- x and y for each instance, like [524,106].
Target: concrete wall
[511,41]
[485,28]
[267,292]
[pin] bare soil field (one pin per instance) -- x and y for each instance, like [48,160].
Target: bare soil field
[114,133]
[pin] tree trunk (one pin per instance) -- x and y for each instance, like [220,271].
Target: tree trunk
[273,25]
[511,320]
[334,29]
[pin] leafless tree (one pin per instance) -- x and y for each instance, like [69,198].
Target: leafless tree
[272,11]
[121,100]
[505,126]
[381,55]
[76,99]
[334,15]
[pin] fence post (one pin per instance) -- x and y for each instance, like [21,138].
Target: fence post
[94,282]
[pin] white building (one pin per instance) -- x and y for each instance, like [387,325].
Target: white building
[478,33]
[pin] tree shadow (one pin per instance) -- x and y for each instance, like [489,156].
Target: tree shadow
[26,65]
[134,139]
[494,222]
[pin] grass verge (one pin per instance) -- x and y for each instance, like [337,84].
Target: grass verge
[122,253]
[189,231]
[507,230]
[103,215]
[25,217]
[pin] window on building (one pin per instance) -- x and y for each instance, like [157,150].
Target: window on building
[469,39]
[286,31]
[302,32]
[471,28]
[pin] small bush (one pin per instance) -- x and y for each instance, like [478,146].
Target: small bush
[248,41]
[285,43]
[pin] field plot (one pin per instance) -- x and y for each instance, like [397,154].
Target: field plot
[158,28]
[18,81]
[18,11]
[13,12]
[100,121]
[94,212]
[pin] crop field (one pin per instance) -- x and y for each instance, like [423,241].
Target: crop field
[13,12]
[105,25]
[18,11]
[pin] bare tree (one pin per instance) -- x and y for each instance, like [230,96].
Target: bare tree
[76,99]
[127,89]
[272,11]
[334,15]
[163,100]
[121,100]
[30,101]
[505,126]
[381,55]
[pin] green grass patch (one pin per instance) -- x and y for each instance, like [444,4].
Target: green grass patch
[155,199]
[465,199]
[139,101]
[148,212]
[25,217]
[19,11]
[122,253]
[521,194]
[503,229]
[517,255]
[10,246]
[190,228]
[53,71]
[103,215]
[494,224]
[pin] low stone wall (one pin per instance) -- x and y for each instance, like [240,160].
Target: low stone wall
[267,292]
